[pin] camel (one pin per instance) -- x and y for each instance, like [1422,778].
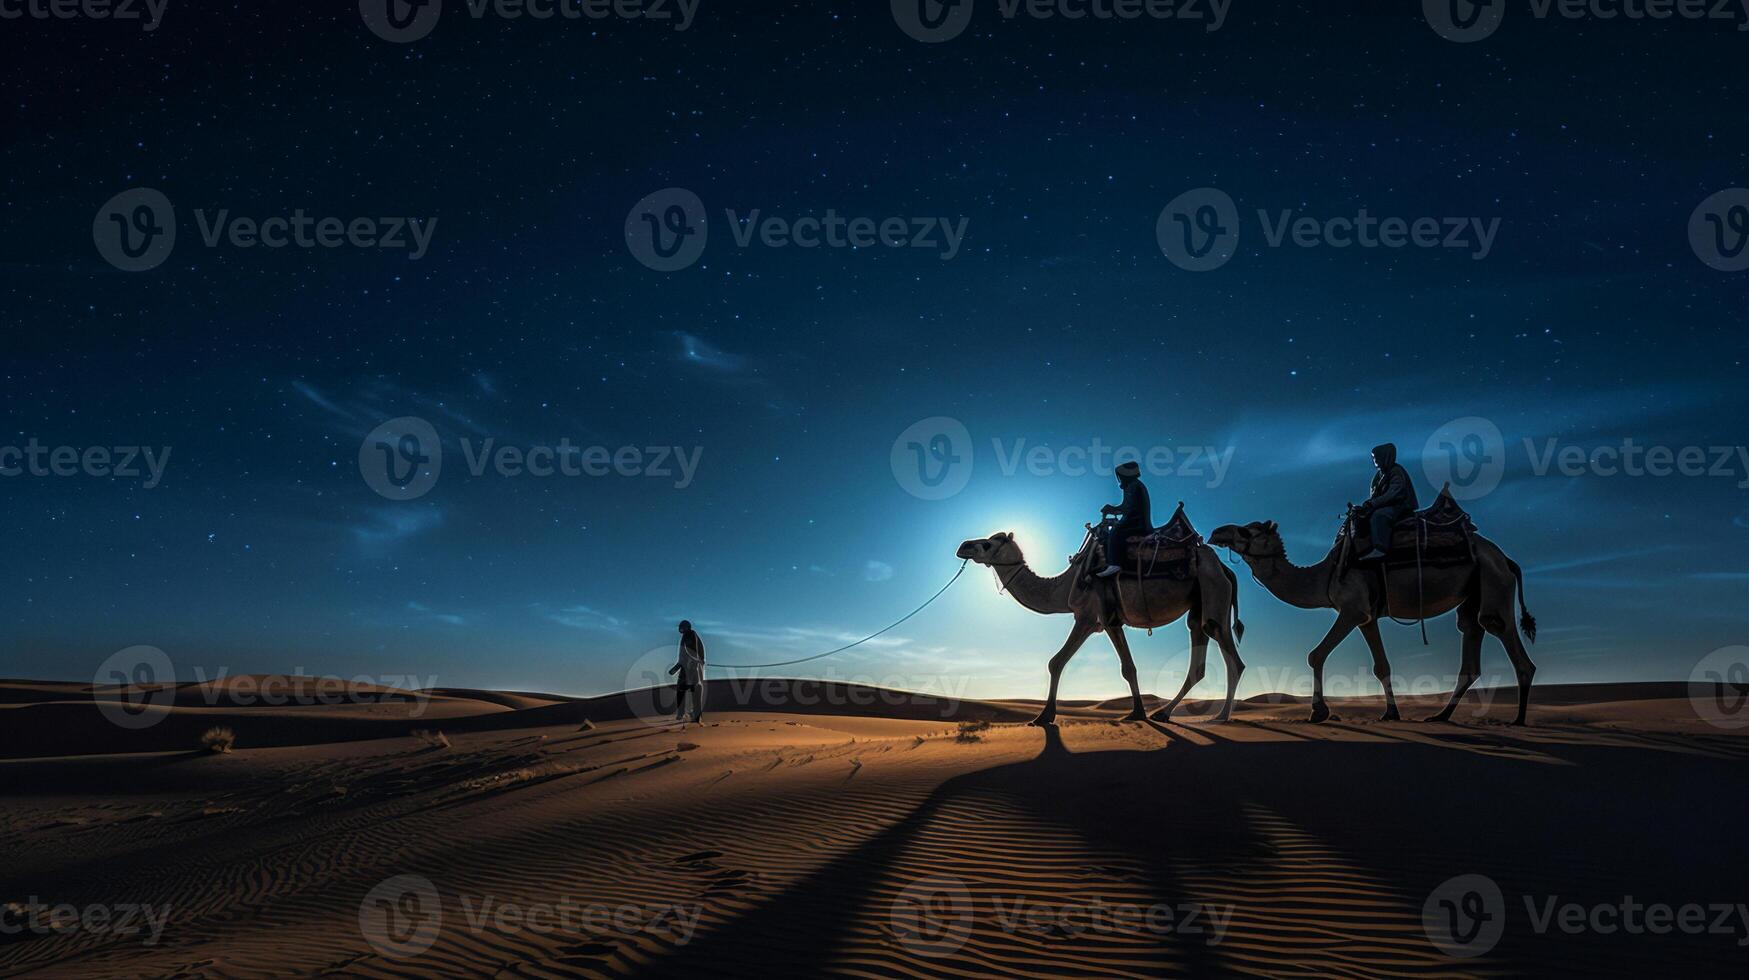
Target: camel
[1481,591]
[1109,605]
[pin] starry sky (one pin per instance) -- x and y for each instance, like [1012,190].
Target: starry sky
[791,372]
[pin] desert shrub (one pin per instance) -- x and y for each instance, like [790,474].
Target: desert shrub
[436,740]
[219,740]
[968,731]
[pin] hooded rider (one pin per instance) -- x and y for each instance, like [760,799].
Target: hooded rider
[1392,500]
[1132,516]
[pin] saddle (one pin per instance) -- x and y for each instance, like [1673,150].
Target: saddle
[1169,551]
[1439,536]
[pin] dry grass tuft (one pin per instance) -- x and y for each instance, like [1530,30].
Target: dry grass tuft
[968,730]
[219,740]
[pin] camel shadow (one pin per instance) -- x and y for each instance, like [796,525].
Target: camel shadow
[824,919]
[1268,824]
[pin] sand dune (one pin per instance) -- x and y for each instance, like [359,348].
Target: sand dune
[885,836]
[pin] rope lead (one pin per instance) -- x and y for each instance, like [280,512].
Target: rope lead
[828,653]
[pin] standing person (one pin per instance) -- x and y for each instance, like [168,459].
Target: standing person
[1392,500]
[690,667]
[1131,516]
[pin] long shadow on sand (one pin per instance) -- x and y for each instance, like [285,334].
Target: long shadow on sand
[1301,828]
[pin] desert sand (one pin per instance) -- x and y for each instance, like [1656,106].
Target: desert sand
[818,829]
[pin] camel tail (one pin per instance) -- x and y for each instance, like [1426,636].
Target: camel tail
[1526,621]
[1238,627]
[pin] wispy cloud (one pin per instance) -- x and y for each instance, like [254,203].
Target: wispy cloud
[876,571]
[428,613]
[385,526]
[1586,561]
[697,351]
[583,617]
[321,401]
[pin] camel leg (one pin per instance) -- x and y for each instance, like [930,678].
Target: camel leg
[1381,668]
[1077,636]
[1470,667]
[1199,653]
[1339,631]
[1508,634]
[1235,667]
[1121,643]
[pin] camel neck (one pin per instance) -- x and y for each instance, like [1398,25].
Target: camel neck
[1307,587]
[1034,591]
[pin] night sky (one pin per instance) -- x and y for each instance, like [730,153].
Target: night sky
[790,372]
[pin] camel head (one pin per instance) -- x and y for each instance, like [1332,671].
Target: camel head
[997,549]
[1256,540]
